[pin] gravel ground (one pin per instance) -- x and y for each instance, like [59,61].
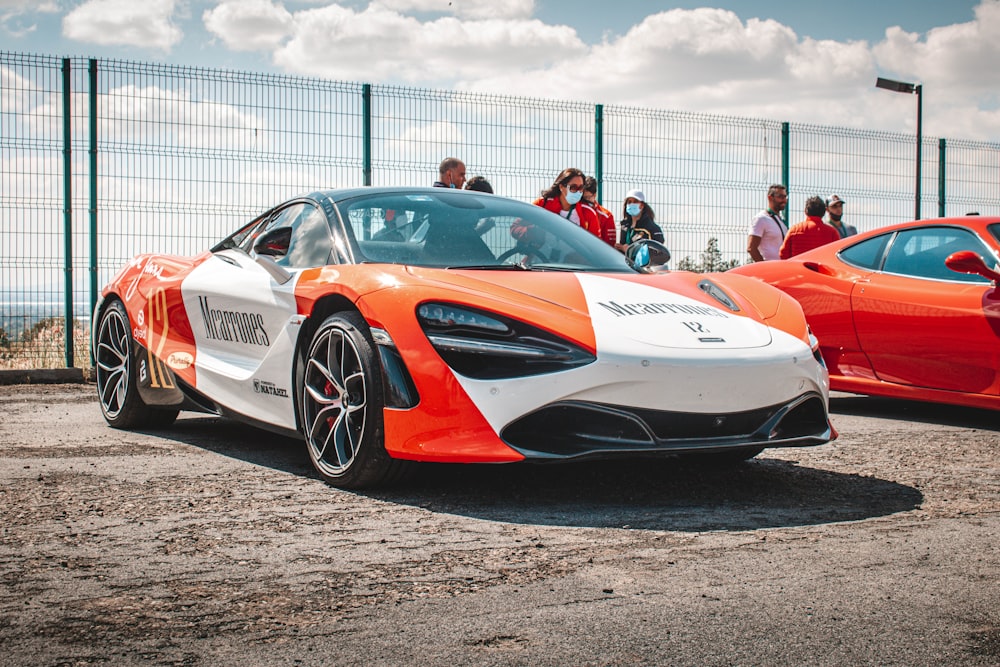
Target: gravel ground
[214,544]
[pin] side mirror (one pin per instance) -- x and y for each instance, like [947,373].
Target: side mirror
[647,253]
[966,261]
[274,243]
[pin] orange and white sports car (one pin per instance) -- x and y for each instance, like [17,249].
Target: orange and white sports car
[386,325]
[906,311]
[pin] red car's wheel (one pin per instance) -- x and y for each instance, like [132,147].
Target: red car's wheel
[342,402]
[121,403]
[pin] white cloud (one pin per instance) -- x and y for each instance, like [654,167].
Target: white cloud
[468,9]
[141,23]
[249,25]
[13,15]
[381,45]
[708,60]
[701,60]
[29,6]
[959,57]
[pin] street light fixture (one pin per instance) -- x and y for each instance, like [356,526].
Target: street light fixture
[910,88]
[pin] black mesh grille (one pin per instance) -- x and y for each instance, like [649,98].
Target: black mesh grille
[573,429]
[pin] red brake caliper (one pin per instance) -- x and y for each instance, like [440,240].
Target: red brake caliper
[328,390]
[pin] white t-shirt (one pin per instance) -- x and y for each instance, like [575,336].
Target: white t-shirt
[771,233]
[571,215]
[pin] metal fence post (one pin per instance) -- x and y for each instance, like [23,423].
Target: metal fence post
[92,95]
[366,133]
[942,161]
[920,146]
[784,157]
[599,150]
[68,207]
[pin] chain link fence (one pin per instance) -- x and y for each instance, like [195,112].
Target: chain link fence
[106,159]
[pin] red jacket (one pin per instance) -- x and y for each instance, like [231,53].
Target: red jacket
[806,235]
[607,220]
[588,216]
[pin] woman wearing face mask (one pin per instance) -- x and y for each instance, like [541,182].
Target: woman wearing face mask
[638,220]
[565,197]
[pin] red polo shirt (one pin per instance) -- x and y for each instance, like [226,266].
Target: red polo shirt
[806,235]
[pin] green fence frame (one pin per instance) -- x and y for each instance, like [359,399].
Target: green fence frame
[170,159]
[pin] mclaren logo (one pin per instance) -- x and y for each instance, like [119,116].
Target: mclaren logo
[233,325]
[628,309]
[269,388]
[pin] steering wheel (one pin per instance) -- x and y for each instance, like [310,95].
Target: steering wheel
[521,249]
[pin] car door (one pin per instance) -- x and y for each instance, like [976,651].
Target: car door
[922,324]
[245,321]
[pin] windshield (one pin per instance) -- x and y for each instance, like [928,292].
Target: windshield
[471,230]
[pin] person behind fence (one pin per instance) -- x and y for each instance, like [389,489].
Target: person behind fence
[565,197]
[767,231]
[605,217]
[834,217]
[479,184]
[451,173]
[810,233]
[638,220]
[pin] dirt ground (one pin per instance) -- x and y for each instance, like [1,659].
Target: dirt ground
[214,544]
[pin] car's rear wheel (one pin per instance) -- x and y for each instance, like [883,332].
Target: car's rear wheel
[342,402]
[117,390]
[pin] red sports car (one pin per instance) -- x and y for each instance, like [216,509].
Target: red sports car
[907,311]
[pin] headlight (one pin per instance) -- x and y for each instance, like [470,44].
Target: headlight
[488,346]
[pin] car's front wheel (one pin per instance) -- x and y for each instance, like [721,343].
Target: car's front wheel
[117,389]
[342,403]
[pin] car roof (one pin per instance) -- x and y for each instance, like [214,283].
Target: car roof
[338,194]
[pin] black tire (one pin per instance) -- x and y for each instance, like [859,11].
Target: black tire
[117,390]
[342,400]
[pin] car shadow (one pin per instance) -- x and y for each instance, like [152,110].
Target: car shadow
[652,494]
[914,411]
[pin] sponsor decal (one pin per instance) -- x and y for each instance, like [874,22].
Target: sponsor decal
[153,269]
[139,332]
[699,328]
[159,332]
[269,388]
[180,360]
[233,326]
[629,309]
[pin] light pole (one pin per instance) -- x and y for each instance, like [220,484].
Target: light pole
[903,87]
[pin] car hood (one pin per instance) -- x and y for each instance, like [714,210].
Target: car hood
[655,311]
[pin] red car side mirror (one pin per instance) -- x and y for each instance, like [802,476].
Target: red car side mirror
[966,261]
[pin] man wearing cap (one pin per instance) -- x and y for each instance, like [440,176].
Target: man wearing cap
[767,231]
[834,213]
[638,220]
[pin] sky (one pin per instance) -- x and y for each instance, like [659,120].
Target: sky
[801,61]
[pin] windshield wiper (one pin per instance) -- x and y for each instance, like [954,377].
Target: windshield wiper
[490,267]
